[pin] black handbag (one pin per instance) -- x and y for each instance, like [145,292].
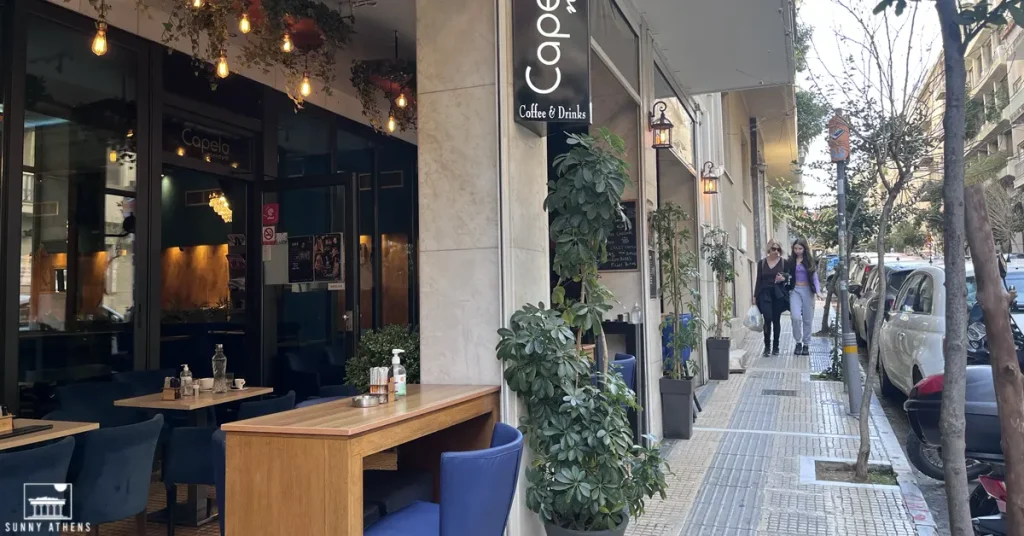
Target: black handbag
[781,289]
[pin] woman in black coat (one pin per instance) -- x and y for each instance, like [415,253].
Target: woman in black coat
[770,295]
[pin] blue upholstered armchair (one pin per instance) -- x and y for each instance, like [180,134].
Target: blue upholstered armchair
[41,464]
[111,470]
[188,459]
[476,493]
[259,408]
[94,402]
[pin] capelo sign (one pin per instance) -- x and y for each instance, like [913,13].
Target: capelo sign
[551,58]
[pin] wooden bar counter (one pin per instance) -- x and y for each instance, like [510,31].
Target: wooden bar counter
[301,471]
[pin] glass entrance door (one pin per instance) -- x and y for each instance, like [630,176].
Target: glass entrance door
[309,299]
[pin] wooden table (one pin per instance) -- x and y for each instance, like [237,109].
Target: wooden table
[195,513]
[301,471]
[60,429]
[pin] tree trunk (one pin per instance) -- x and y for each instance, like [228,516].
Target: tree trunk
[995,303]
[954,350]
[825,327]
[864,452]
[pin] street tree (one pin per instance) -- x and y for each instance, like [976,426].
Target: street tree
[960,23]
[889,136]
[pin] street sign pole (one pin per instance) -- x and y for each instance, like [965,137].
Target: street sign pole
[839,147]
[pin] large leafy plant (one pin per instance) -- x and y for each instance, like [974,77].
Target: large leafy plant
[718,255]
[375,351]
[585,200]
[679,283]
[587,474]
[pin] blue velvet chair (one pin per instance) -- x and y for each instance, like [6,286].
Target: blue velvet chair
[219,447]
[259,408]
[338,391]
[94,402]
[41,464]
[476,493]
[626,365]
[111,470]
[188,459]
[145,382]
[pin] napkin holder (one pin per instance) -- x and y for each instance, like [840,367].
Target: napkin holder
[6,423]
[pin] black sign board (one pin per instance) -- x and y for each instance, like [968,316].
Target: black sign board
[622,254]
[300,259]
[185,139]
[551,58]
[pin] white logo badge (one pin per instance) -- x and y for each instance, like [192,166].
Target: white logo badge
[47,502]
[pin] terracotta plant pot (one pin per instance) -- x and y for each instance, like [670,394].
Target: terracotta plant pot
[552,530]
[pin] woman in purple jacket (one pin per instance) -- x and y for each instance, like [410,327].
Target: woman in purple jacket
[805,286]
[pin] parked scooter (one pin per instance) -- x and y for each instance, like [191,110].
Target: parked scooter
[989,514]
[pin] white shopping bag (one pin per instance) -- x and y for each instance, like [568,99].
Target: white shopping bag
[753,321]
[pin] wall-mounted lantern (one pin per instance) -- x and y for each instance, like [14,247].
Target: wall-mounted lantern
[709,175]
[661,127]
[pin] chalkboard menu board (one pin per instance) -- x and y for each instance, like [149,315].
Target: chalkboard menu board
[622,254]
[300,259]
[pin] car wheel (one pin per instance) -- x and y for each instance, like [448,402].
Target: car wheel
[923,457]
[889,389]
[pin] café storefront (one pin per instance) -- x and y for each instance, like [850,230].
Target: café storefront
[156,216]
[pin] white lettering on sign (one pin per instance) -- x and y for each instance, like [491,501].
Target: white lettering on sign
[552,29]
[206,144]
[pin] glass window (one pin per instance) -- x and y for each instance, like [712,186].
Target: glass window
[683,124]
[611,30]
[896,280]
[925,296]
[908,296]
[202,268]
[236,94]
[303,144]
[76,300]
[397,249]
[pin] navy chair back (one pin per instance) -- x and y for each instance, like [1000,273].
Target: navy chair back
[144,382]
[111,469]
[477,486]
[315,401]
[42,464]
[258,408]
[338,390]
[219,468]
[94,402]
[187,456]
[626,365]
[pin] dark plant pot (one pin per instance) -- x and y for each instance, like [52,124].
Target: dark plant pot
[677,408]
[718,358]
[553,530]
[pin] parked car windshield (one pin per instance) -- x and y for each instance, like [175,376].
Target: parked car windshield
[972,291]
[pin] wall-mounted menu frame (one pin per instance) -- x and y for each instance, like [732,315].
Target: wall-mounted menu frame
[622,243]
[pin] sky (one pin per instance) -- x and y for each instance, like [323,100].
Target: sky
[827,53]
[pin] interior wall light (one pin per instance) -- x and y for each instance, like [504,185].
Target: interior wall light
[661,127]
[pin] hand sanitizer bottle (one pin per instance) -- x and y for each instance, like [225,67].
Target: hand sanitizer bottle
[398,371]
[186,381]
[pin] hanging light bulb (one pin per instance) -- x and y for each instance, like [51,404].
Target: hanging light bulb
[243,24]
[392,124]
[99,43]
[222,67]
[198,3]
[286,43]
[400,101]
[305,88]
[112,156]
[180,151]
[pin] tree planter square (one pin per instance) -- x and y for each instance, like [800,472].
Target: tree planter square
[677,407]
[718,358]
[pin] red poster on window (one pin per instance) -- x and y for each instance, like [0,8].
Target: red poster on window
[270,214]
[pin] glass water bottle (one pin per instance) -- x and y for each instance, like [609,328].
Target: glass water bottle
[220,370]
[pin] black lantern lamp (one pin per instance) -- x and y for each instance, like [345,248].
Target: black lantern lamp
[661,127]
[709,178]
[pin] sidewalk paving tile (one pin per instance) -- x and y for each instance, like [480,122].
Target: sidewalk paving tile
[740,473]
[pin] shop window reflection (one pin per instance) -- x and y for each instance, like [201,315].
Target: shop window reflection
[77,273]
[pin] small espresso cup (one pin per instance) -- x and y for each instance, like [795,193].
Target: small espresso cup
[239,383]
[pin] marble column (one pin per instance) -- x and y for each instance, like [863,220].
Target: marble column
[482,183]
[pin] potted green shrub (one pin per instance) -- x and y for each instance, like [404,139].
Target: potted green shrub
[587,476]
[718,255]
[375,351]
[679,284]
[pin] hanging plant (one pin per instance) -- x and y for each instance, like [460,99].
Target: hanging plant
[315,33]
[395,80]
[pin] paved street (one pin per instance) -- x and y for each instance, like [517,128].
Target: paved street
[745,470]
